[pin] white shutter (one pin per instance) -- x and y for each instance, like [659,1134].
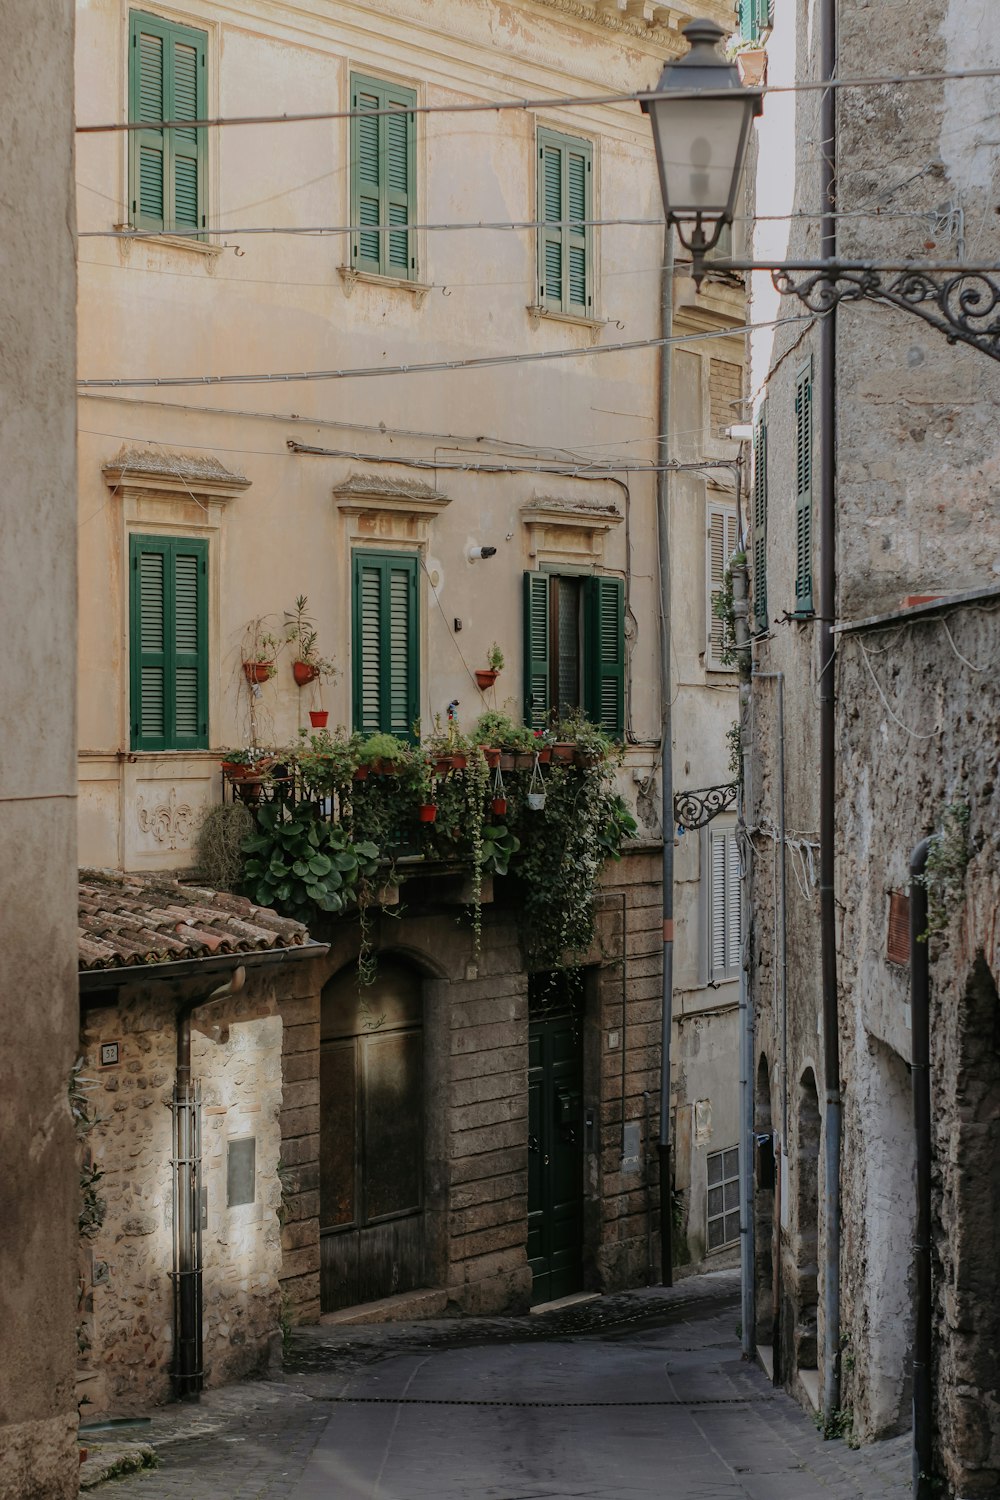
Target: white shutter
[717,905]
[721,542]
[733,910]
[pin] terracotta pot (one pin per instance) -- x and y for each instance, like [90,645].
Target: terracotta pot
[445,763]
[248,790]
[507,761]
[544,755]
[563,752]
[499,806]
[304,672]
[318,717]
[361,774]
[492,756]
[523,760]
[385,767]
[258,671]
[485,678]
[428,812]
[234,770]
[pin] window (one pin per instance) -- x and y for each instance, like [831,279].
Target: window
[385,643]
[722,541]
[803,492]
[167,168]
[723,1198]
[574,649]
[383,179]
[723,903]
[759,507]
[565,201]
[755,17]
[168,634]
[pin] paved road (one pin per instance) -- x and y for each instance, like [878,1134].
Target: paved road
[629,1398]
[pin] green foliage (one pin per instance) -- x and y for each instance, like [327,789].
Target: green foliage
[499,848]
[383,747]
[840,1424]
[93,1207]
[329,762]
[495,728]
[723,609]
[495,658]
[219,851]
[734,739]
[947,861]
[303,866]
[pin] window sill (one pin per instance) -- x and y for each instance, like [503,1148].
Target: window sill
[538,311]
[349,279]
[167,241]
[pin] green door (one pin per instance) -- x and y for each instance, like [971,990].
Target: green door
[555,1156]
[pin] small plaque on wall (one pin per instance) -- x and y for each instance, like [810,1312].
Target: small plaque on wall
[110,1054]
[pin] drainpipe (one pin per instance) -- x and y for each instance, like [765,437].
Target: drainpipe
[741,631]
[827,728]
[920,1071]
[667,754]
[187,1365]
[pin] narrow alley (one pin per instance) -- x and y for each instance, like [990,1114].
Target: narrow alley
[628,1397]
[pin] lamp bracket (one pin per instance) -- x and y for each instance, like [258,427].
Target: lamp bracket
[694,809]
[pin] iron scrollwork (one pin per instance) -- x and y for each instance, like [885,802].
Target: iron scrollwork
[964,307]
[694,809]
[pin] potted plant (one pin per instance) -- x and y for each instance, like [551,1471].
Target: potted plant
[308,666]
[425,792]
[242,765]
[384,754]
[514,740]
[329,763]
[260,651]
[447,747]
[486,677]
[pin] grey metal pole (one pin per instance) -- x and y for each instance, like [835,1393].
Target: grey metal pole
[667,766]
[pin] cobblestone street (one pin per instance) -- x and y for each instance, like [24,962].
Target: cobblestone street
[627,1397]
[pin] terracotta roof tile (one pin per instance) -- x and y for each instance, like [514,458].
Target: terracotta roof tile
[127,920]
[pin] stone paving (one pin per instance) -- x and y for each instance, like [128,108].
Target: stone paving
[630,1397]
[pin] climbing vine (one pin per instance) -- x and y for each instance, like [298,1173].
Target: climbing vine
[947,861]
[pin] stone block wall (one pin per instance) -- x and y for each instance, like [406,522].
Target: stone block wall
[126,1299]
[298,1007]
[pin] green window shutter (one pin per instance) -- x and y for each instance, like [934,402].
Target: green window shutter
[755,17]
[383,179]
[168,643]
[167,168]
[536,650]
[759,507]
[605,654]
[565,202]
[385,644]
[803,491]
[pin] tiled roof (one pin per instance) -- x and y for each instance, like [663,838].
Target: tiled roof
[130,920]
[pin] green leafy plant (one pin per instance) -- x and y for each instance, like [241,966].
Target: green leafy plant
[302,866]
[498,729]
[495,658]
[301,633]
[93,1208]
[944,873]
[383,747]
[328,761]
[734,739]
[499,848]
[723,609]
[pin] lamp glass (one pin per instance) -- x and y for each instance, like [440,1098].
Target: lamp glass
[700,145]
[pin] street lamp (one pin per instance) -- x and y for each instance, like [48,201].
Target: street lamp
[701,116]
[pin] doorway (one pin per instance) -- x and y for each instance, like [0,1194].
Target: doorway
[371,1137]
[555,1136]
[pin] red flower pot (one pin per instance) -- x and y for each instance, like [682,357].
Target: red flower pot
[445,763]
[486,678]
[544,756]
[258,671]
[523,760]
[492,756]
[234,770]
[499,805]
[507,761]
[563,752]
[361,774]
[318,717]
[304,672]
[428,812]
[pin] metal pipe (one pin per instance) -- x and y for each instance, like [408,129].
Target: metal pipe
[187,1362]
[666,763]
[920,1072]
[741,631]
[827,728]
[647,1164]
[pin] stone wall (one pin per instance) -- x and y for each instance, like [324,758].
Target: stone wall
[884,814]
[126,1293]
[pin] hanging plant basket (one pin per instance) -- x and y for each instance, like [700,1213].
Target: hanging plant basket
[304,672]
[499,806]
[536,801]
[536,788]
[428,812]
[485,678]
[258,671]
[318,717]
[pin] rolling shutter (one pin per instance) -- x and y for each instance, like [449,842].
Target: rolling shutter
[724,913]
[385,644]
[383,176]
[536,650]
[167,168]
[605,661]
[168,643]
[565,199]
[722,542]
[803,492]
[759,505]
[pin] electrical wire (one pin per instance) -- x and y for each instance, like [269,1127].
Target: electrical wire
[914,734]
[480,362]
[573,101]
[532,466]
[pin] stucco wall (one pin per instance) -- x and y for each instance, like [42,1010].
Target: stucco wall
[38,1185]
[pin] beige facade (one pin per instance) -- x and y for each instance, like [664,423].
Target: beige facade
[38,1455]
[916,519]
[516,456]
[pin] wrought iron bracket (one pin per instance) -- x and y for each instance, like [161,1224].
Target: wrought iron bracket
[694,809]
[964,306]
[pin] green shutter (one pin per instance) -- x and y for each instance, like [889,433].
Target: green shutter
[383,179]
[755,17]
[536,650]
[168,643]
[167,168]
[565,202]
[759,503]
[385,645]
[604,664]
[803,491]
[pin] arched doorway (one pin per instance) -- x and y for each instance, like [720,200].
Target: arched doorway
[371,1187]
[807,1225]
